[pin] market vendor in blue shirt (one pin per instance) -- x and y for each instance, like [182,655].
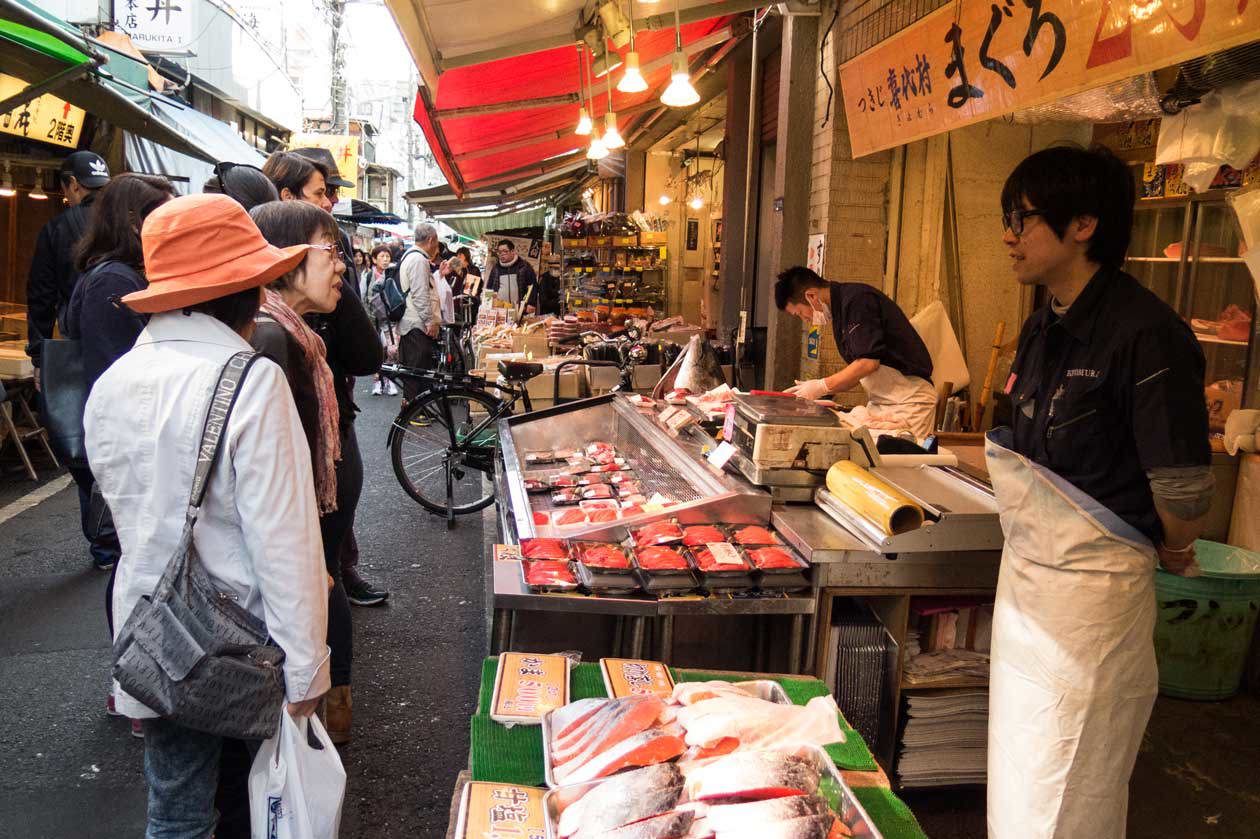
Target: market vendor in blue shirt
[1103,475]
[880,347]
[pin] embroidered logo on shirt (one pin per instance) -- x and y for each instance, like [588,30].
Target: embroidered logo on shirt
[1082,373]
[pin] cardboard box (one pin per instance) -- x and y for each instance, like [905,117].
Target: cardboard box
[534,345]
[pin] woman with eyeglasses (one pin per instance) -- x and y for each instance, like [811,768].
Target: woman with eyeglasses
[282,333]
[353,350]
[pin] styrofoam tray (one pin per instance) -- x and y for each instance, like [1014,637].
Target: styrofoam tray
[832,787]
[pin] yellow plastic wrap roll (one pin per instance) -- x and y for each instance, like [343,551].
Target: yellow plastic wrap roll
[891,510]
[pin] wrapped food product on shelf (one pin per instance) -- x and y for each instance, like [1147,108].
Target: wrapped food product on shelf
[592,478]
[548,575]
[660,558]
[775,558]
[537,458]
[754,535]
[628,488]
[657,533]
[566,497]
[569,518]
[544,549]
[719,557]
[701,534]
[563,481]
[596,491]
[536,485]
[602,555]
[542,518]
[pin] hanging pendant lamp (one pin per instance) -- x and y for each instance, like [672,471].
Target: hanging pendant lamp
[584,125]
[612,137]
[680,92]
[632,80]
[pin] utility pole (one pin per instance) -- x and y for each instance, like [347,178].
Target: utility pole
[335,11]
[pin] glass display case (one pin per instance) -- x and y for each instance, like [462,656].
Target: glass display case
[1187,250]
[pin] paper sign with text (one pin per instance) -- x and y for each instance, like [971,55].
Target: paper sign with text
[502,811]
[633,677]
[45,118]
[529,685]
[974,60]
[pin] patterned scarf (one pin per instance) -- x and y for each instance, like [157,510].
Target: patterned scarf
[328,438]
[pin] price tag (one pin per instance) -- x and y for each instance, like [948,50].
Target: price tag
[719,457]
[490,809]
[728,427]
[528,685]
[507,553]
[724,553]
[743,327]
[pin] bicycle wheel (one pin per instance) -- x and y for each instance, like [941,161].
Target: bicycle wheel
[433,437]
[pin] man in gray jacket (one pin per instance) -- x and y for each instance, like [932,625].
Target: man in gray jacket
[422,318]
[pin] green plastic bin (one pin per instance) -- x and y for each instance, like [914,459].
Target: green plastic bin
[1203,625]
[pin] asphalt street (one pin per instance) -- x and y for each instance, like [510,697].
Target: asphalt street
[69,770]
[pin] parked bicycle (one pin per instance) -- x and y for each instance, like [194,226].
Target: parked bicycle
[443,442]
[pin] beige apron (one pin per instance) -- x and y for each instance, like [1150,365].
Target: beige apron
[1073,675]
[895,400]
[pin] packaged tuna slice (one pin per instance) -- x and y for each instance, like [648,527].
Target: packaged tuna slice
[564,497]
[542,518]
[657,533]
[775,559]
[720,557]
[602,516]
[563,481]
[544,549]
[569,518]
[602,555]
[754,535]
[702,534]
[626,488]
[540,457]
[599,447]
[548,575]
[596,491]
[535,485]
[660,558]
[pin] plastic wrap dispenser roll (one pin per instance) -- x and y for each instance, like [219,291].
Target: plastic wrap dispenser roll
[889,509]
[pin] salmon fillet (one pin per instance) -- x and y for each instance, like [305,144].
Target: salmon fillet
[753,776]
[634,718]
[587,813]
[656,745]
[567,717]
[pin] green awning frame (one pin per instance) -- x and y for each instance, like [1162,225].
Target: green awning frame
[476,226]
[45,51]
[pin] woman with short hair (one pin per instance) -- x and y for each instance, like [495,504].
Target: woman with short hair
[257,535]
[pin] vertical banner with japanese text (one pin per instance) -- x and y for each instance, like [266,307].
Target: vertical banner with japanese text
[978,59]
[164,26]
[345,150]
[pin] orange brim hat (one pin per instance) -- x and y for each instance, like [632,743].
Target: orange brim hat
[199,248]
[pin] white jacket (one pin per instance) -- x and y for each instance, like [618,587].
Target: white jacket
[258,532]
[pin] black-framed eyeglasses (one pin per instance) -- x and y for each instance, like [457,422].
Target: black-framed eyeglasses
[221,170]
[1013,220]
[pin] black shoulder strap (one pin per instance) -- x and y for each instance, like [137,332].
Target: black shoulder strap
[222,400]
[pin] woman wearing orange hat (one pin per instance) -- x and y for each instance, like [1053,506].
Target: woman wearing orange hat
[284,336]
[257,534]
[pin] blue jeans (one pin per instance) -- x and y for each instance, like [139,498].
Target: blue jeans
[182,767]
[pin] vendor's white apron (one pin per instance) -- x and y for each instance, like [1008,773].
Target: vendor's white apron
[1073,675]
[897,400]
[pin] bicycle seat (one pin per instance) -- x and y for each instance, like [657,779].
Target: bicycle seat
[519,371]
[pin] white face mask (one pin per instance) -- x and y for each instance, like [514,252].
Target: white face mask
[821,317]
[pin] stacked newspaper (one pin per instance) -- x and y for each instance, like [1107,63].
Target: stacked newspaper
[944,739]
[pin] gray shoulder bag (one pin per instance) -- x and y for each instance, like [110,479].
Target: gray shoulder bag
[190,652]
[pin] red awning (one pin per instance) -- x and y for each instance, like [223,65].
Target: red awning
[521,142]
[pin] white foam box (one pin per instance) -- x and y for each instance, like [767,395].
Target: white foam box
[14,363]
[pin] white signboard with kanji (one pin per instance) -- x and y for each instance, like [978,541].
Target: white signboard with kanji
[157,25]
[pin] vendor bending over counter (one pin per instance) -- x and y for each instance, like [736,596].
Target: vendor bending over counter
[881,348]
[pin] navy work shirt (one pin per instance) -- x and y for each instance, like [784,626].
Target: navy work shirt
[1111,389]
[868,324]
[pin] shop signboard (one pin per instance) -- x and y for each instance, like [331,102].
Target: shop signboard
[345,150]
[45,118]
[974,60]
[164,26]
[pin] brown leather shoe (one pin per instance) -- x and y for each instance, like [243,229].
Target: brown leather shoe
[338,707]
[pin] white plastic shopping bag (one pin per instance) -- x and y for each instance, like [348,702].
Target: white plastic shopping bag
[296,783]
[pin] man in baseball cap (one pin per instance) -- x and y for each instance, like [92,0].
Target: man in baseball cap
[334,180]
[49,284]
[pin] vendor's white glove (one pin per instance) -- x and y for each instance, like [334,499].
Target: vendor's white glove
[811,389]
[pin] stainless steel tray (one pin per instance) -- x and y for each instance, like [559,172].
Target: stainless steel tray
[832,787]
[783,410]
[767,689]
[663,464]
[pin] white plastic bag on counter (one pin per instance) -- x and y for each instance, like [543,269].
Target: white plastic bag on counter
[1223,129]
[296,783]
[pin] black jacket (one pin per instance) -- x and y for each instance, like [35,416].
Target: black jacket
[104,327]
[272,340]
[525,278]
[52,277]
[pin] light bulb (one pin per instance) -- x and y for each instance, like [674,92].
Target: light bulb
[584,126]
[612,137]
[664,199]
[6,187]
[696,203]
[632,80]
[37,193]
[597,151]
[680,93]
